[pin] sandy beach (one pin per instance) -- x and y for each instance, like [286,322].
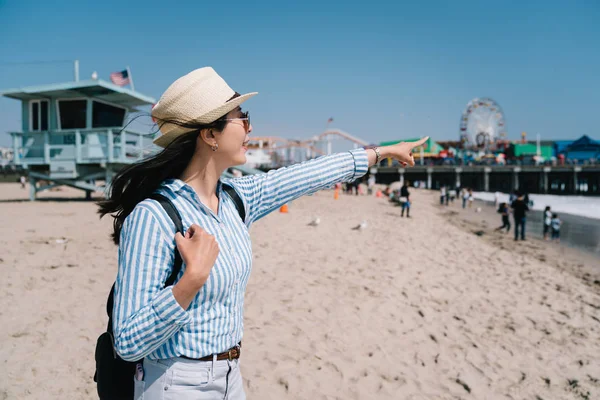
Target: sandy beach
[419,308]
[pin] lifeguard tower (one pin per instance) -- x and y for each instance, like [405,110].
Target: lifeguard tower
[72,134]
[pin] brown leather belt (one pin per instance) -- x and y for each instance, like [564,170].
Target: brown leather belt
[231,354]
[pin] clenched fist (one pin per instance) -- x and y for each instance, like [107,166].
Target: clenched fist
[199,251]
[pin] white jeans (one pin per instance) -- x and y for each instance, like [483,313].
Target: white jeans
[183,379]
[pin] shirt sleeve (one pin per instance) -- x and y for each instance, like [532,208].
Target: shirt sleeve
[145,313]
[264,193]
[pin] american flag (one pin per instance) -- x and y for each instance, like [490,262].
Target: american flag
[120,78]
[330,120]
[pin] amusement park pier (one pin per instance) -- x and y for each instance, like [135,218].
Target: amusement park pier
[564,179]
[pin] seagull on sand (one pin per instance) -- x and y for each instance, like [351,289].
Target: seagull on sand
[361,226]
[315,222]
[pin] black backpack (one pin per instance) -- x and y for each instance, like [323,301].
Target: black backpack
[114,376]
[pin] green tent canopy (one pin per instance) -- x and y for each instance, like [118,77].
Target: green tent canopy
[529,149]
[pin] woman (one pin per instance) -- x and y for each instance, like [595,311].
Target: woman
[405,199]
[189,334]
[465,197]
[442,195]
[471,198]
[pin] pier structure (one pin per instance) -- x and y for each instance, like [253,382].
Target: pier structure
[564,179]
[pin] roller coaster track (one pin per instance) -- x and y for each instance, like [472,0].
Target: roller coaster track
[342,134]
[276,143]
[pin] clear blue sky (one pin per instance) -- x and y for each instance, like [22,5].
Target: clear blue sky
[383,71]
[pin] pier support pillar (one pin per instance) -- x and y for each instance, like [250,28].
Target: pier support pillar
[545,179]
[486,179]
[457,179]
[401,173]
[515,178]
[576,179]
[429,172]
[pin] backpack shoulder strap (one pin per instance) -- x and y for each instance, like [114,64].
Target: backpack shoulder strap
[239,204]
[168,206]
[176,218]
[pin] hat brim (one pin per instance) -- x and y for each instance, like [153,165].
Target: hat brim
[166,138]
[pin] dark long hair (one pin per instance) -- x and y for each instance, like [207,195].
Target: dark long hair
[138,181]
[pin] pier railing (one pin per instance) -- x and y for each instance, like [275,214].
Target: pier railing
[83,146]
[559,179]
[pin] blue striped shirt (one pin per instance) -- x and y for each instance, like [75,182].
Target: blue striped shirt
[148,321]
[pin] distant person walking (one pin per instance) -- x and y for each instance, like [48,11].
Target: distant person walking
[527,200]
[471,198]
[370,184]
[465,197]
[442,194]
[23,181]
[547,222]
[451,195]
[520,209]
[405,200]
[505,211]
[555,224]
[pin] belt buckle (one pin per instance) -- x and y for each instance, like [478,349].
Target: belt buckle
[230,352]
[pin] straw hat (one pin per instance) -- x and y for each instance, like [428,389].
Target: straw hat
[200,97]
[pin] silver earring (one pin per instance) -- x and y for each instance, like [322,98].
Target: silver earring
[215,147]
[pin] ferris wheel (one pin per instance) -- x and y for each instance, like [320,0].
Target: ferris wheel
[482,124]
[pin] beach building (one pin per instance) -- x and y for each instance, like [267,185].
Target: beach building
[583,150]
[72,133]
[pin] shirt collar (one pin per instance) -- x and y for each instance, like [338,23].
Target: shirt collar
[180,188]
[176,185]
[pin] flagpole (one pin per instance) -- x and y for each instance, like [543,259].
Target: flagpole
[130,78]
[76,70]
[538,149]
[328,143]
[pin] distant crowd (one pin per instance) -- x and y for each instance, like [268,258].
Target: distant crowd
[518,205]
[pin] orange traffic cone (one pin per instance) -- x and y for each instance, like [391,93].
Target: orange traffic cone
[336,194]
[284,209]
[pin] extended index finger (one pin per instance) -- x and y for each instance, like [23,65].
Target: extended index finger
[419,142]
